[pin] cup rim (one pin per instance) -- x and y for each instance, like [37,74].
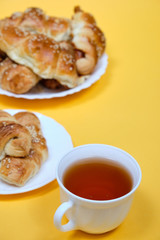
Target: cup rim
[74,196]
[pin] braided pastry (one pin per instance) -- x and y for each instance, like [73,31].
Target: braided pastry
[60,50]
[35,21]
[46,57]
[16,78]
[15,139]
[18,171]
[88,40]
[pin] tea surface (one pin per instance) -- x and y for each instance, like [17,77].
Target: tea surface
[97,179]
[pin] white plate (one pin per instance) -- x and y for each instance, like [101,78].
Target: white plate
[39,92]
[59,143]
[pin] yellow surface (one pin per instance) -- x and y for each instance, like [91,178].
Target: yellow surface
[121,109]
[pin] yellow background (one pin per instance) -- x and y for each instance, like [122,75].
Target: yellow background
[121,109]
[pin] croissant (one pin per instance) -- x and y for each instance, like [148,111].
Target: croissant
[15,139]
[18,171]
[47,58]
[16,78]
[88,40]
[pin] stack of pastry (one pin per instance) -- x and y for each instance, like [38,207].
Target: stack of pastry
[23,148]
[58,52]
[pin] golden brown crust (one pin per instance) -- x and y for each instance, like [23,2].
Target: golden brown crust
[36,21]
[32,123]
[88,38]
[53,48]
[16,78]
[18,171]
[46,57]
[15,139]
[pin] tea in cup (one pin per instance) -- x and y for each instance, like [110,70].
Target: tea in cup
[97,183]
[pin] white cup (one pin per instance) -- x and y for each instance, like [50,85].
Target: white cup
[94,216]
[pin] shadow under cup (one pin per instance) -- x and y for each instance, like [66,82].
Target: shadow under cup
[94,216]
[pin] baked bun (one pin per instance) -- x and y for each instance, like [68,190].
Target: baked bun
[88,39]
[16,78]
[51,48]
[18,171]
[15,139]
[35,20]
[45,57]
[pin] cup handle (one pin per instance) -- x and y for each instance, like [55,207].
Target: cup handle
[58,217]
